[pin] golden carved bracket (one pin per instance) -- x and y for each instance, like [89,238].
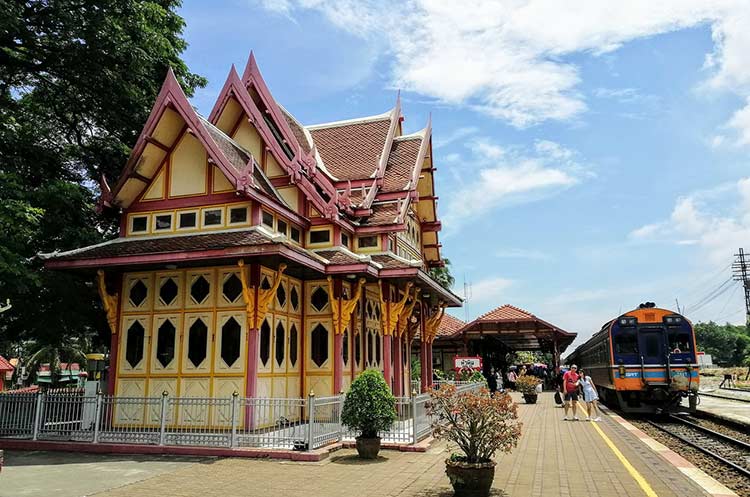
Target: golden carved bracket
[432,324]
[342,308]
[109,302]
[390,311]
[251,294]
[405,316]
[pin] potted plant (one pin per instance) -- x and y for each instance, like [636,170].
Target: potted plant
[526,385]
[369,408]
[479,425]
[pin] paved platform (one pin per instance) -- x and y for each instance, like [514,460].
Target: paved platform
[733,410]
[554,457]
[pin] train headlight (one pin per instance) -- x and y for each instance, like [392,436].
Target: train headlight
[672,320]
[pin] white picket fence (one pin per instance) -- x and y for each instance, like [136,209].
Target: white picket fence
[234,422]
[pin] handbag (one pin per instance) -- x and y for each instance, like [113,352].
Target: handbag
[558,398]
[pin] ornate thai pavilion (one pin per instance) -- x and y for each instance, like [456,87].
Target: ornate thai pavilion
[261,256]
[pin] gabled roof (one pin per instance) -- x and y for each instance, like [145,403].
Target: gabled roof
[5,365]
[450,326]
[506,312]
[352,149]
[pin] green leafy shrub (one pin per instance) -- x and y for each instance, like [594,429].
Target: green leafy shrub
[369,406]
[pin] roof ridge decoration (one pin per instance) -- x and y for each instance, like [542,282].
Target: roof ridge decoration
[426,134]
[347,122]
[302,166]
[387,146]
[171,96]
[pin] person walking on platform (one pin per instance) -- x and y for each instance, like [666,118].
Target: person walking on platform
[570,382]
[512,379]
[590,397]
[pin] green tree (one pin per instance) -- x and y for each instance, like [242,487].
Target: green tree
[727,344]
[443,275]
[77,81]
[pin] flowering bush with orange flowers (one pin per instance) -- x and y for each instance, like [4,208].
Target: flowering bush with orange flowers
[479,424]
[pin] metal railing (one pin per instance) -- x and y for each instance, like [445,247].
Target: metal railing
[234,422]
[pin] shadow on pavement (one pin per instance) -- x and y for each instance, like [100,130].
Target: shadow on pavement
[41,458]
[355,460]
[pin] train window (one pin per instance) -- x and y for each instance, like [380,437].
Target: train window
[626,343]
[652,345]
[679,341]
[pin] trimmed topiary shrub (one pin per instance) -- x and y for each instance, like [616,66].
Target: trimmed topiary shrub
[369,406]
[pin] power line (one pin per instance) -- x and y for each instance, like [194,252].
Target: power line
[701,284]
[713,297]
[710,295]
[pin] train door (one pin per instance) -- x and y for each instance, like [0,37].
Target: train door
[651,342]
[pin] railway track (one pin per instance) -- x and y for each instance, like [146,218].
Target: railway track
[726,397]
[723,449]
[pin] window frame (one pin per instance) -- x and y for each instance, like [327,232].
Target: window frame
[179,227]
[376,246]
[319,244]
[157,215]
[263,214]
[205,210]
[131,221]
[231,208]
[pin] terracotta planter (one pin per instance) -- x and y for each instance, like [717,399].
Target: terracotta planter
[530,398]
[470,479]
[368,448]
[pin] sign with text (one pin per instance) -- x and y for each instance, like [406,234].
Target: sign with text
[465,362]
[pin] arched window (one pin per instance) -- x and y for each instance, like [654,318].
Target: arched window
[293,345]
[134,348]
[165,343]
[230,341]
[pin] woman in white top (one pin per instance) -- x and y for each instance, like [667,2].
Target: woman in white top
[589,396]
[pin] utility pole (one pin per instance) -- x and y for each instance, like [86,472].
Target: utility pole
[467,298]
[740,271]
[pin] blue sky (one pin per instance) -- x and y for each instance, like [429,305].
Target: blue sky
[591,155]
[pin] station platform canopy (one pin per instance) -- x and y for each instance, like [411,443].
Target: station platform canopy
[513,327]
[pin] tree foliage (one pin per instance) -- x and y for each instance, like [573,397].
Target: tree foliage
[369,406]
[443,275]
[729,345]
[77,81]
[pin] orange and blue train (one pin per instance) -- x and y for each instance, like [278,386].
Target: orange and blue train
[644,361]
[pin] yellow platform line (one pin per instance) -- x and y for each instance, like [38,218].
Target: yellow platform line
[629,467]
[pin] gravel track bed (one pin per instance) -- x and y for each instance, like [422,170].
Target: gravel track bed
[715,468]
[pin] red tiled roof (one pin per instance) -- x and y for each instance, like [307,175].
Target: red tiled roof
[338,257]
[449,326]
[382,213]
[506,312]
[137,246]
[352,151]
[297,131]
[5,365]
[401,163]
[388,261]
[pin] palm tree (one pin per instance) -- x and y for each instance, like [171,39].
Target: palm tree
[443,275]
[53,354]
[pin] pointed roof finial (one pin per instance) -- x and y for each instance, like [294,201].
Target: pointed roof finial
[251,68]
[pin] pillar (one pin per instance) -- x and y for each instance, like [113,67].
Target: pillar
[429,364]
[423,363]
[387,370]
[398,369]
[253,349]
[338,340]
[338,363]
[114,349]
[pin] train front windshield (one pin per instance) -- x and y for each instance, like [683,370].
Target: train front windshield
[653,342]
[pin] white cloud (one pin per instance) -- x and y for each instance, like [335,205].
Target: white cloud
[510,60]
[508,175]
[455,135]
[519,253]
[740,124]
[489,291]
[704,221]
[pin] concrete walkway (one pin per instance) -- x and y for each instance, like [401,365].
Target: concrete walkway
[554,458]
